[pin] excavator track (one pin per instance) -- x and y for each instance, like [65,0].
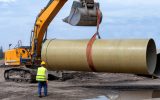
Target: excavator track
[28,75]
[20,75]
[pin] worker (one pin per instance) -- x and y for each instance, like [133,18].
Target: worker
[42,78]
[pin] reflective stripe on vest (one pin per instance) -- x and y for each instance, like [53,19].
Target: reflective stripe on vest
[41,74]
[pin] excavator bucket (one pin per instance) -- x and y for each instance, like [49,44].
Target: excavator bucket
[84,14]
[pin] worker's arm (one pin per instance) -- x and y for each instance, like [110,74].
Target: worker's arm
[46,74]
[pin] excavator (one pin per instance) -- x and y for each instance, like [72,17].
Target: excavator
[23,61]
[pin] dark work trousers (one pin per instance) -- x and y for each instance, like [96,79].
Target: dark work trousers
[40,85]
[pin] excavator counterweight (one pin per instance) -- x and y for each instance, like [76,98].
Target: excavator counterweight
[84,13]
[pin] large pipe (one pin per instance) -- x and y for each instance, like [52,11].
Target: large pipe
[119,56]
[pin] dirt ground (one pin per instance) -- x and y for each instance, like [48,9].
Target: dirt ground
[86,86]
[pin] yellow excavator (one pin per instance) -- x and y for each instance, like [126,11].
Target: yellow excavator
[23,61]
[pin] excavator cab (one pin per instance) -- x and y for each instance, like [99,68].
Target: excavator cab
[84,13]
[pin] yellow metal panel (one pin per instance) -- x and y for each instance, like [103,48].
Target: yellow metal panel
[12,57]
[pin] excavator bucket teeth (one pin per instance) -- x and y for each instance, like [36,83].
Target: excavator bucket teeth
[83,16]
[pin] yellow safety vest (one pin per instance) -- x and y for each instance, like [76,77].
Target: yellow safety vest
[41,74]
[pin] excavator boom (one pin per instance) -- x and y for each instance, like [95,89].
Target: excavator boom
[42,22]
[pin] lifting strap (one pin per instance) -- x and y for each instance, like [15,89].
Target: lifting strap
[91,41]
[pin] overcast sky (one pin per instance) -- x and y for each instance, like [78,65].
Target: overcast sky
[121,19]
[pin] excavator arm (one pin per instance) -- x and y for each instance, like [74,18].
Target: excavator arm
[83,13]
[42,22]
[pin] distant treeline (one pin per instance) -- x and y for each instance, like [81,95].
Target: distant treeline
[1,52]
